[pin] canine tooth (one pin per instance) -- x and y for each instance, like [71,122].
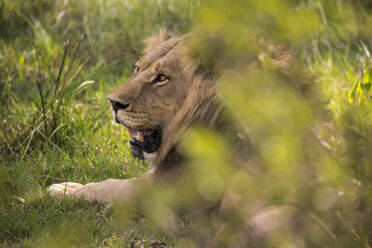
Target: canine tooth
[140,136]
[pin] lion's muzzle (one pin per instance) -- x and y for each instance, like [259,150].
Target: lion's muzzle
[143,140]
[115,106]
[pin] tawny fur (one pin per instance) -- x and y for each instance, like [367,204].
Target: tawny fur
[190,98]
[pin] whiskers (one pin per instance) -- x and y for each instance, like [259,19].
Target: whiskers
[138,121]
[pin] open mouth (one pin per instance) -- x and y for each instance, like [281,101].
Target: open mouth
[144,141]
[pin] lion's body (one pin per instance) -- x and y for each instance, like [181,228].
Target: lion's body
[188,97]
[167,94]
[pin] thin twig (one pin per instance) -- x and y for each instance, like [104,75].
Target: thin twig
[323,225]
[67,45]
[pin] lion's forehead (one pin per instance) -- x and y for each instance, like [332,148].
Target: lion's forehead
[159,52]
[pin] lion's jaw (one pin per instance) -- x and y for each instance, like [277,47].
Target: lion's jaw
[149,100]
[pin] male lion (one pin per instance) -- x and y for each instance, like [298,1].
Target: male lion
[168,93]
[165,94]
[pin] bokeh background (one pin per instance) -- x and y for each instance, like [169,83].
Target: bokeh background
[294,73]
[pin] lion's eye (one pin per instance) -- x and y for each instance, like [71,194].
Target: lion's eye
[136,69]
[160,78]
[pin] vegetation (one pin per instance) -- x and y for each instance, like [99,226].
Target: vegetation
[60,59]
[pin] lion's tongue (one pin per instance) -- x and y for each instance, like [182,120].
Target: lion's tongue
[147,133]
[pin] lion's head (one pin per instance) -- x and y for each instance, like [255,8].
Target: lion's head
[160,97]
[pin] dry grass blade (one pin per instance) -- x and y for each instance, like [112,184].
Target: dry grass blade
[62,65]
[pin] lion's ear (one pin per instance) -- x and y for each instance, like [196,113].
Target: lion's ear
[155,40]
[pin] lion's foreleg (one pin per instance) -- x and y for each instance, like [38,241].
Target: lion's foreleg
[105,192]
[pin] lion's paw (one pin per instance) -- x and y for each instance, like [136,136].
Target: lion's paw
[64,189]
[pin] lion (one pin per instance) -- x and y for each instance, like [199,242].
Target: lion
[167,94]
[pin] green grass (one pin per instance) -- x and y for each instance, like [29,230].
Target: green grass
[94,149]
[60,59]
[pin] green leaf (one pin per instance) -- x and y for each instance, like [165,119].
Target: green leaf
[352,92]
[360,91]
[366,76]
[22,60]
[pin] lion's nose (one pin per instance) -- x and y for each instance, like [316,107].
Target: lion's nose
[116,104]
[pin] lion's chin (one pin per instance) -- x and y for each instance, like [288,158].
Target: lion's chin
[150,156]
[145,143]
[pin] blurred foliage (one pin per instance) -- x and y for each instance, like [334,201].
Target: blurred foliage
[295,75]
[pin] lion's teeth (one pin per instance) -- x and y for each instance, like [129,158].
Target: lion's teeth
[139,136]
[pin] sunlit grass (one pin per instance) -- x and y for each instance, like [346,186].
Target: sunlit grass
[60,60]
